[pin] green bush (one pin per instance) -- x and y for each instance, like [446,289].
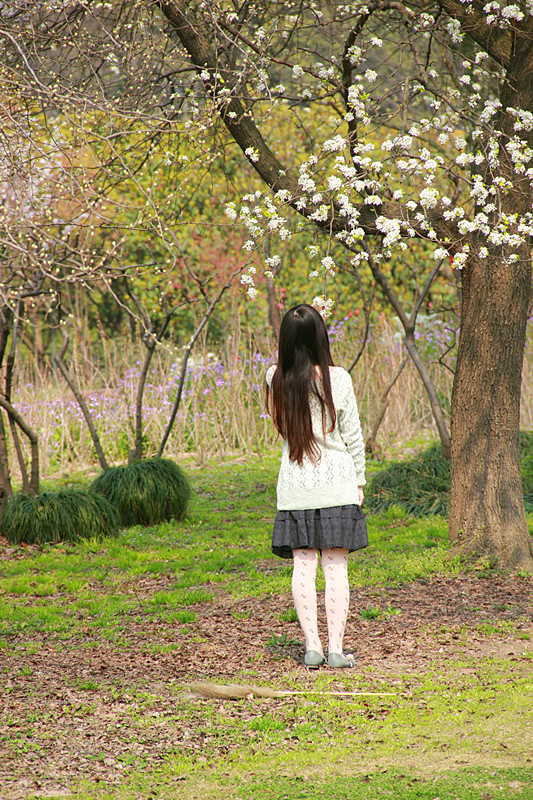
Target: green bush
[421,485]
[66,515]
[147,492]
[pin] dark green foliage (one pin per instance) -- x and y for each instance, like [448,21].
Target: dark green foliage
[147,492]
[64,516]
[422,485]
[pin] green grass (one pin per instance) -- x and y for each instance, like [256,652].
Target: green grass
[223,545]
[463,733]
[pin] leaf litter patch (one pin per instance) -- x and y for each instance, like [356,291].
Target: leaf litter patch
[94,707]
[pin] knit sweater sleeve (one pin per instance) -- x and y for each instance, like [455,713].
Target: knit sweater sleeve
[350,426]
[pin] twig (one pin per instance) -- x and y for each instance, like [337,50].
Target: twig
[62,367]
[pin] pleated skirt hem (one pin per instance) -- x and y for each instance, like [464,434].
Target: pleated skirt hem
[320,529]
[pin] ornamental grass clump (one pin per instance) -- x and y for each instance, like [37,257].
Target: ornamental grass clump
[421,485]
[67,515]
[147,492]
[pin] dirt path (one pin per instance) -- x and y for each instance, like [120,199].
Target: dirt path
[89,708]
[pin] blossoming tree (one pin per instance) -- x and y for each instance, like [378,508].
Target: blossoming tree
[430,136]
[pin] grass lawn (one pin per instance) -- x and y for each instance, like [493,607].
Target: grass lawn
[101,641]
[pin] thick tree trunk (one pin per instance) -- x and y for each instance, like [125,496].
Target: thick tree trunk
[487,515]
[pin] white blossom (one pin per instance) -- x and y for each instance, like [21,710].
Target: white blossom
[391,228]
[320,214]
[489,109]
[336,143]
[429,197]
[524,119]
[334,182]
[463,159]
[323,305]
[454,29]
[512,12]
[460,258]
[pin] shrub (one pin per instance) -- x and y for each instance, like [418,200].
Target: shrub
[147,492]
[421,485]
[66,515]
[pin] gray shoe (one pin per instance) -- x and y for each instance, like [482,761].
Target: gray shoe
[313,659]
[338,661]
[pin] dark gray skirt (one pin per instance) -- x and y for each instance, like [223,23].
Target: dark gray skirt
[320,529]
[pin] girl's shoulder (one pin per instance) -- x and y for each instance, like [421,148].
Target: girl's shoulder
[339,374]
[340,378]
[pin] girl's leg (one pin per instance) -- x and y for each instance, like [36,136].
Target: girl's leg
[304,595]
[337,600]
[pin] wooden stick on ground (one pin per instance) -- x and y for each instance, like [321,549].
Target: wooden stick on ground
[233,691]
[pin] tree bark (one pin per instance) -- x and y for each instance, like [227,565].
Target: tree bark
[487,515]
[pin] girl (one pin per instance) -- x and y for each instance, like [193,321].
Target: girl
[322,472]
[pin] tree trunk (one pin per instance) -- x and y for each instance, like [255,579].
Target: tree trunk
[487,515]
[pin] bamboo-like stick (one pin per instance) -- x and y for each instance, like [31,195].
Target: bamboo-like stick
[233,691]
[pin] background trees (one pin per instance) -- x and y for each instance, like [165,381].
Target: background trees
[380,130]
[454,169]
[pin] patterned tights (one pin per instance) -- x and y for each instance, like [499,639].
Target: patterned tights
[335,568]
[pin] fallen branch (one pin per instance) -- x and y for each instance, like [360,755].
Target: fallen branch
[233,691]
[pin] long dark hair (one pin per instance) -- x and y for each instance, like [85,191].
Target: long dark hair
[303,346]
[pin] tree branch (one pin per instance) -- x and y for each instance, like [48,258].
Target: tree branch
[496,42]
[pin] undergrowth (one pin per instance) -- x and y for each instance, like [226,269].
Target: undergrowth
[67,515]
[146,492]
[421,485]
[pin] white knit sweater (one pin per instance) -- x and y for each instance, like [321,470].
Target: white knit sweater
[334,479]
